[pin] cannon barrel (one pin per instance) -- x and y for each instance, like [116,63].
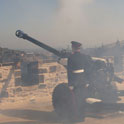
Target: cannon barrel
[21,34]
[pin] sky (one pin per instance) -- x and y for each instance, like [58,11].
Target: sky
[57,22]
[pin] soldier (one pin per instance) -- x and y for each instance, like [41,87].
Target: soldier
[77,70]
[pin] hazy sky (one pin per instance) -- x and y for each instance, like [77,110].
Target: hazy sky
[57,22]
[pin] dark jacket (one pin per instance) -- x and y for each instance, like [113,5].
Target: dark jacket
[77,61]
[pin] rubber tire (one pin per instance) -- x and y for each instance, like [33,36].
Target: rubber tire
[104,90]
[107,94]
[63,100]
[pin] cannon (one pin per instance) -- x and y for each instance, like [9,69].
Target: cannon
[100,86]
[61,54]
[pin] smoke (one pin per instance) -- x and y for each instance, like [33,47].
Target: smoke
[71,20]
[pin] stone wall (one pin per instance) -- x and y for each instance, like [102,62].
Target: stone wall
[51,74]
[40,73]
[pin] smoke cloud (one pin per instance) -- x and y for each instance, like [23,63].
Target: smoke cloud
[71,20]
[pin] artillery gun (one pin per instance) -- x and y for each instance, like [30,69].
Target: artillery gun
[99,85]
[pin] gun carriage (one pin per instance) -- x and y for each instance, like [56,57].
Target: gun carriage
[100,85]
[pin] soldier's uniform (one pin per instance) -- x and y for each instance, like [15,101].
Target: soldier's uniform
[77,68]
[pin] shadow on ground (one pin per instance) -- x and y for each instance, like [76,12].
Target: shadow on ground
[33,115]
[104,110]
[99,111]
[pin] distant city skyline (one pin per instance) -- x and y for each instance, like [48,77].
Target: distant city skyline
[57,22]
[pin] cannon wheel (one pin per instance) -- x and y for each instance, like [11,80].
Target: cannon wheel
[108,94]
[64,102]
[103,88]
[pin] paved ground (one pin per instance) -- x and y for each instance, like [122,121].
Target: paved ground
[35,114]
[37,109]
